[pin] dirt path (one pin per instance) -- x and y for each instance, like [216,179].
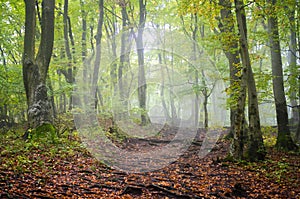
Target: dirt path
[81,176]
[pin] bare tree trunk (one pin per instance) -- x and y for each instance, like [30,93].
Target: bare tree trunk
[292,59]
[3,109]
[284,140]
[124,61]
[110,28]
[195,28]
[67,31]
[255,149]
[35,69]
[83,34]
[162,89]
[95,77]
[142,85]
[206,95]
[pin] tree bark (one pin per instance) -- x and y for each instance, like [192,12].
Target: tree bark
[95,77]
[162,89]
[35,69]
[206,95]
[230,48]
[124,62]
[194,28]
[255,148]
[292,59]
[68,73]
[142,84]
[284,140]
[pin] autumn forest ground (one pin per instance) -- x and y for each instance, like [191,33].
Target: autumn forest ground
[61,167]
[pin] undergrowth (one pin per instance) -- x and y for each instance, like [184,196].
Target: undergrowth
[19,155]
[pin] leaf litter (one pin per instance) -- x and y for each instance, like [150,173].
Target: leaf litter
[79,175]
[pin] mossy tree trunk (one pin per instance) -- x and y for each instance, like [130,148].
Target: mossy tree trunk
[230,48]
[35,68]
[255,148]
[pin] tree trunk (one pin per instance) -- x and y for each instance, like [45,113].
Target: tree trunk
[35,69]
[162,89]
[83,34]
[230,48]
[284,140]
[292,59]
[255,149]
[298,37]
[142,85]
[194,28]
[110,28]
[95,77]
[206,95]
[68,33]
[238,85]
[124,62]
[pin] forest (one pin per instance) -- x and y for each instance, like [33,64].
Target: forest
[150,99]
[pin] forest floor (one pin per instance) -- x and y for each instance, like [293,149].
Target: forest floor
[64,169]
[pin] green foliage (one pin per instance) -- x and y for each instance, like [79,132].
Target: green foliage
[269,134]
[275,170]
[116,134]
[16,152]
[292,82]
[43,133]
[64,123]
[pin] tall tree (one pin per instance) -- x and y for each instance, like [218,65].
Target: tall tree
[292,60]
[284,140]
[95,91]
[68,72]
[230,48]
[35,68]
[124,58]
[142,85]
[255,148]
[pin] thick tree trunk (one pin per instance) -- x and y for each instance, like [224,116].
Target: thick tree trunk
[230,48]
[255,149]
[35,69]
[284,140]
[237,81]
